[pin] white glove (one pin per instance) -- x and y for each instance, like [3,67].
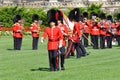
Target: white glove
[60,46]
[41,40]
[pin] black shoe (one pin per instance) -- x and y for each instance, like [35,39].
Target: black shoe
[72,55]
[62,68]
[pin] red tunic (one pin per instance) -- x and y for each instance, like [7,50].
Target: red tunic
[64,31]
[34,29]
[0,28]
[86,28]
[103,28]
[17,31]
[54,36]
[118,28]
[76,32]
[95,30]
[113,26]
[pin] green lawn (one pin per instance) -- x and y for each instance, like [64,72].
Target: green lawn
[33,65]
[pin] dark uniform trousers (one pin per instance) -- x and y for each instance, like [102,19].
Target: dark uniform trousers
[17,43]
[85,40]
[35,43]
[61,55]
[95,41]
[78,50]
[109,41]
[70,48]
[91,37]
[52,59]
[118,39]
[102,41]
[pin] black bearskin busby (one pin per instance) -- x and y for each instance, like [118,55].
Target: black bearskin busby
[17,18]
[109,17]
[35,17]
[74,15]
[85,15]
[102,16]
[60,15]
[52,16]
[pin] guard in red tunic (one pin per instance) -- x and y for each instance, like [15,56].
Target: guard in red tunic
[35,31]
[55,39]
[64,31]
[95,32]
[17,32]
[86,28]
[103,26]
[76,42]
[109,34]
[118,29]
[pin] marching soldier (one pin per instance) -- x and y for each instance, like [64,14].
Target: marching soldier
[55,39]
[35,31]
[70,23]
[109,32]
[64,31]
[76,34]
[95,31]
[103,26]
[118,29]
[86,29]
[17,32]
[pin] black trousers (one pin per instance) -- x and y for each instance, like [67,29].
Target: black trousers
[109,41]
[91,37]
[69,49]
[118,39]
[102,41]
[78,50]
[95,41]
[17,43]
[62,55]
[35,43]
[52,59]
[85,40]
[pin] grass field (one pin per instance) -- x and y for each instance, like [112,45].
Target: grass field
[33,65]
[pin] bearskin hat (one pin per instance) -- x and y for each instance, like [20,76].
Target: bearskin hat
[109,17]
[60,15]
[17,18]
[35,17]
[85,15]
[52,16]
[102,16]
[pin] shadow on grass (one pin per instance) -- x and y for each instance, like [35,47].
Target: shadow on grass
[10,49]
[40,69]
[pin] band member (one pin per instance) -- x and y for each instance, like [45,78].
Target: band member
[109,32]
[76,34]
[54,39]
[64,31]
[118,29]
[70,24]
[95,31]
[17,32]
[103,26]
[35,31]
[86,29]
